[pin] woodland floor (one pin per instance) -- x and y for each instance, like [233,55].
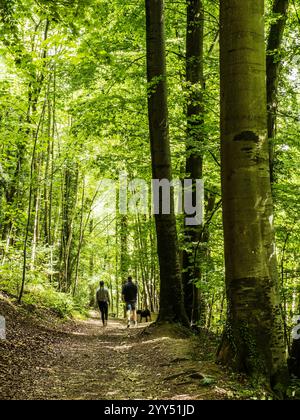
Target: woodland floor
[44,359]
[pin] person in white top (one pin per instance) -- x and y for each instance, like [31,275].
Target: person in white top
[103,300]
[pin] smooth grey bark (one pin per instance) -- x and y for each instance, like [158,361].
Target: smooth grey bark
[254,340]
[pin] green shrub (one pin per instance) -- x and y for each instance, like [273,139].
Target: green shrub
[39,292]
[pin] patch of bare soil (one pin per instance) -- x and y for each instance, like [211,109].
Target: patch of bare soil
[46,360]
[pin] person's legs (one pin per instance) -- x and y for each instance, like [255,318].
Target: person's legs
[134,313]
[102,311]
[106,313]
[128,309]
[128,318]
[135,317]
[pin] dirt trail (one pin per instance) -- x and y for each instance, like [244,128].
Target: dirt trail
[93,362]
[84,361]
[104,363]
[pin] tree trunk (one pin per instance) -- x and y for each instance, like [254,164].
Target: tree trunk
[253,340]
[30,203]
[144,258]
[35,238]
[124,257]
[294,360]
[47,181]
[69,202]
[81,238]
[280,9]
[171,296]
[194,161]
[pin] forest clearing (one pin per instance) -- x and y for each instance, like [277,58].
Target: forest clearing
[149,199]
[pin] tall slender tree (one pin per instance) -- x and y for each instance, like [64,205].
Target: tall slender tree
[280,12]
[171,302]
[253,340]
[194,161]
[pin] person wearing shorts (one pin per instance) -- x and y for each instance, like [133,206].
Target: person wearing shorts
[130,294]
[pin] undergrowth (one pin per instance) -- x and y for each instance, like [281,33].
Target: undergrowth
[40,293]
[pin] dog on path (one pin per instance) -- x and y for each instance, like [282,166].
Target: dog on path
[144,314]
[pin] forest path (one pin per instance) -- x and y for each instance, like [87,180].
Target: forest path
[110,363]
[104,363]
[44,359]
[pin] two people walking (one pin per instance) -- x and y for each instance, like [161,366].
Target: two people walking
[129,295]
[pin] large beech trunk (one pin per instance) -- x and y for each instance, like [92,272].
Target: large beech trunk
[254,340]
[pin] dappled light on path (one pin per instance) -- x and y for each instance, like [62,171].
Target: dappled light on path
[85,361]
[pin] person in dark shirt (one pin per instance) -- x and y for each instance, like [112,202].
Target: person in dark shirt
[130,294]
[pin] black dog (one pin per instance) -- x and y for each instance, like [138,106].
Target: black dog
[144,314]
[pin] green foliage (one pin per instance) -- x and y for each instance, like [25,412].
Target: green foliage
[41,294]
[293,392]
[47,297]
[73,76]
[208,381]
